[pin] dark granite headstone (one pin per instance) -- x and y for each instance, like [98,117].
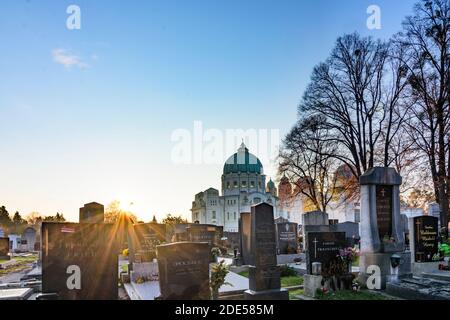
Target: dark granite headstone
[4,248]
[202,233]
[351,230]
[245,235]
[180,232]
[92,213]
[384,211]
[184,271]
[287,238]
[264,275]
[426,238]
[323,247]
[145,238]
[79,261]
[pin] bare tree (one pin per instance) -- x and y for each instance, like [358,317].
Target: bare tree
[426,37]
[304,160]
[358,91]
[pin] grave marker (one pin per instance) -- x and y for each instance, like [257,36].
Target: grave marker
[79,261]
[184,271]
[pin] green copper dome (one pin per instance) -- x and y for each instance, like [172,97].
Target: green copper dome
[243,162]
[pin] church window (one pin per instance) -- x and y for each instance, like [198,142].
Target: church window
[235,216]
[214,215]
[228,185]
[228,216]
[244,184]
[252,184]
[235,184]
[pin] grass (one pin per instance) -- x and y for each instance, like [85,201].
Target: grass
[285,281]
[352,295]
[22,263]
[291,281]
[294,293]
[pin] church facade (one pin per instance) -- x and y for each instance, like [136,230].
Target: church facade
[243,185]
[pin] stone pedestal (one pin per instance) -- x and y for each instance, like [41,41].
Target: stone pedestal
[418,268]
[383,261]
[276,294]
[311,283]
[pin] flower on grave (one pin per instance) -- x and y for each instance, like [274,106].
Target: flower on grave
[348,255]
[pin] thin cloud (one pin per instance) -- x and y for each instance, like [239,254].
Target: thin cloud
[68,59]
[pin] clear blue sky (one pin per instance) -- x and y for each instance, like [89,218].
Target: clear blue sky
[101,129]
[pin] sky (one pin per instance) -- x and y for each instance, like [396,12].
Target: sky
[95,114]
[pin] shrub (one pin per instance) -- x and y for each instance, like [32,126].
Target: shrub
[287,271]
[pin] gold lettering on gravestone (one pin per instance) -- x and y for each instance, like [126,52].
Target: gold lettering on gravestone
[384,211]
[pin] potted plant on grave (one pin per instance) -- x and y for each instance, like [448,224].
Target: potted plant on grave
[219,272]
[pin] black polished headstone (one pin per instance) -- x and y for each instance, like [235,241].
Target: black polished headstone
[184,271]
[323,247]
[287,238]
[264,275]
[79,261]
[426,238]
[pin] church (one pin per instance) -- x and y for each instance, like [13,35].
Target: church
[243,185]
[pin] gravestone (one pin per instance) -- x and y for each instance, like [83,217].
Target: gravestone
[29,235]
[145,237]
[426,238]
[245,236]
[323,247]
[92,213]
[264,275]
[424,243]
[287,238]
[180,232]
[351,230]
[4,249]
[381,226]
[203,233]
[184,271]
[79,261]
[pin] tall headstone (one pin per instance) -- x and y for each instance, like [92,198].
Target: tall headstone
[4,248]
[79,261]
[264,275]
[245,235]
[92,213]
[381,227]
[287,238]
[184,271]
